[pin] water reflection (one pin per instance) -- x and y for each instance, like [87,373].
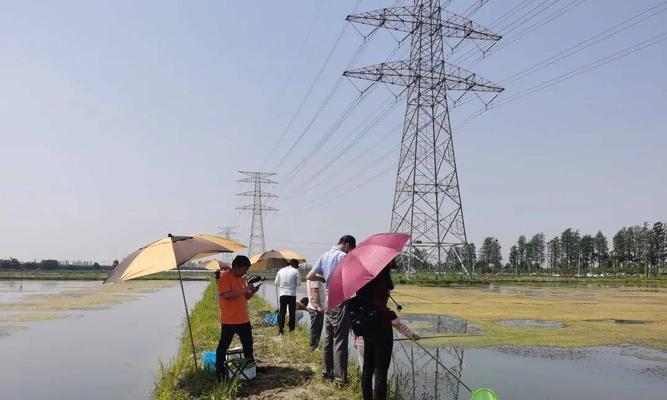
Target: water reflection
[419,374]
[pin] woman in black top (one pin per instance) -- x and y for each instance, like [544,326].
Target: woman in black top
[378,346]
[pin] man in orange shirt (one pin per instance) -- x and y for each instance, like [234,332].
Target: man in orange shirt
[234,319]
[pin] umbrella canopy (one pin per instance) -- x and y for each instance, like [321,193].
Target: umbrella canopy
[273,259]
[169,253]
[363,264]
[215,265]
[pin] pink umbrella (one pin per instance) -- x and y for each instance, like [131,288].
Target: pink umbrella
[363,264]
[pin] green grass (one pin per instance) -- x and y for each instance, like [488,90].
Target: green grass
[430,279]
[589,314]
[293,370]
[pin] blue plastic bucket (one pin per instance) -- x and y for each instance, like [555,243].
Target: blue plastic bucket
[209,360]
[271,319]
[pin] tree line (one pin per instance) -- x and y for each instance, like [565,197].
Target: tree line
[50,265]
[634,249]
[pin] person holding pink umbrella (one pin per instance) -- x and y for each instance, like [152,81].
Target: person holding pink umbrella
[364,276]
[373,321]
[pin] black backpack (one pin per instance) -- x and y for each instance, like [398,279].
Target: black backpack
[365,319]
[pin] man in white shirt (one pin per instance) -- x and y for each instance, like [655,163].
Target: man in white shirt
[287,280]
[336,320]
[316,301]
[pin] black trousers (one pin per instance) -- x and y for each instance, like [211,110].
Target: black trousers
[377,357]
[287,301]
[316,324]
[227,332]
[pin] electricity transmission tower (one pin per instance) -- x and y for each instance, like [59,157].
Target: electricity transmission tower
[258,208]
[227,231]
[427,200]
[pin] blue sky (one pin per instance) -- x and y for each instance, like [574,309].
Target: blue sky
[121,121]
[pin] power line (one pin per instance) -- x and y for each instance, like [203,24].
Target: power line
[327,134]
[313,84]
[570,74]
[351,143]
[584,44]
[323,105]
[618,28]
[551,82]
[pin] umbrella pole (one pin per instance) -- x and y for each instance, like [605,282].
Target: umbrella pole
[187,316]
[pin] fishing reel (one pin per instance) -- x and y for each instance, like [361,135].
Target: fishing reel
[398,306]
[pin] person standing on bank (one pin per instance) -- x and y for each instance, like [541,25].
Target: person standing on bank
[316,298]
[373,320]
[287,280]
[234,318]
[336,321]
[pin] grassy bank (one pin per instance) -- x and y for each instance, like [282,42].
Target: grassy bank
[68,275]
[293,370]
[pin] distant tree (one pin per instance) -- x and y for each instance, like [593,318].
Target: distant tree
[644,248]
[49,264]
[490,257]
[569,241]
[621,249]
[514,259]
[469,256]
[418,261]
[536,252]
[601,248]
[587,246]
[522,248]
[659,245]
[554,253]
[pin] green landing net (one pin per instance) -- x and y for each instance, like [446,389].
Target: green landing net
[484,394]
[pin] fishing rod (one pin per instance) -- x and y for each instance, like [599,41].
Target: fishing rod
[437,337]
[479,394]
[441,365]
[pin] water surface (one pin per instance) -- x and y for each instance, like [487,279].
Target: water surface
[110,353]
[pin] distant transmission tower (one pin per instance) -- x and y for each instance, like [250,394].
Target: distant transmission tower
[258,208]
[427,201]
[227,231]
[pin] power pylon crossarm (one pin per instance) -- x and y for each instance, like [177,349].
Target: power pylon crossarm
[427,200]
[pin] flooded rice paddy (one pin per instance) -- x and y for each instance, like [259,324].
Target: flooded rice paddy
[82,340]
[534,342]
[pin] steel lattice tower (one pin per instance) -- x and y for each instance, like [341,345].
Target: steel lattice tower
[258,208]
[227,231]
[427,200]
